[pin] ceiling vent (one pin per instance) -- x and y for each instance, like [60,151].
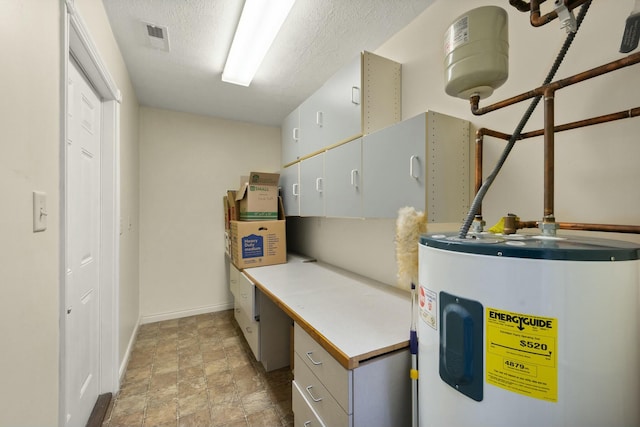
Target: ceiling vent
[158,37]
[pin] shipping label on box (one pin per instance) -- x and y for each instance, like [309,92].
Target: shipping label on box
[258,197]
[258,243]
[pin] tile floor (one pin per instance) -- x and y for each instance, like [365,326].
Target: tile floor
[197,372]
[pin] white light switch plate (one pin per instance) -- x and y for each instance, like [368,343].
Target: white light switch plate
[39,211]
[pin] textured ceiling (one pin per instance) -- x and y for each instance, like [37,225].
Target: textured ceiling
[318,37]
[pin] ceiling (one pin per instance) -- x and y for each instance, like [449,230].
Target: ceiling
[318,37]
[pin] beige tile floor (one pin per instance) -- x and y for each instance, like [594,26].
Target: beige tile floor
[199,371]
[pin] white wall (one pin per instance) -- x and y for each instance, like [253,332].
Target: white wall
[29,160]
[187,163]
[30,117]
[596,168]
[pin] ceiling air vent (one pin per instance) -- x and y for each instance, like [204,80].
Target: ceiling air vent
[158,37]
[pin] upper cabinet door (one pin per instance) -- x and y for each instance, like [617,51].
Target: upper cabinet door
[421,162]
[394,167]
[343,180]
[312,186]
[290,189]
[290,137]
[333,113]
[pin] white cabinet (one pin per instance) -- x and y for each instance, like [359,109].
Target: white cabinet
[342,180]
[265,326]
[312,186]
[245,312]
[290,137]
[421,162]
[290,189]
[363,96]
[375,394]
[333,112]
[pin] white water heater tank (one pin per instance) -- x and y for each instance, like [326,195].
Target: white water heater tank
[528,331]
[476,49]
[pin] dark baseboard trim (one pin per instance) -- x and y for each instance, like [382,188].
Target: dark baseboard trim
[99,410]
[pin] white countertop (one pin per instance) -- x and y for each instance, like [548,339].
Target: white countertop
[354,318]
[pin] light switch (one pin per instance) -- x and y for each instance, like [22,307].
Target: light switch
[39,211]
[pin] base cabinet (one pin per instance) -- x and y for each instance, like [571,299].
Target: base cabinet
[265,327]
[377,393]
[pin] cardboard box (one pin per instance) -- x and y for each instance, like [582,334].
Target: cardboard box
[232,205]
[258,243]
[258,197]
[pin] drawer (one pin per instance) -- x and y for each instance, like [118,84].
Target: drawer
[250,329]
[303,413]
[247,296]
[334,376]
[318,397]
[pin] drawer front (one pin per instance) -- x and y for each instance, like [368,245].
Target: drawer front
[247,296]
[334,376]
[318,397]
[303,413]
[250,329]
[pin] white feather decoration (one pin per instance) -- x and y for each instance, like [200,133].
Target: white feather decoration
[409,226]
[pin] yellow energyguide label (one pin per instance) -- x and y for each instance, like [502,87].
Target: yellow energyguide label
[521,353]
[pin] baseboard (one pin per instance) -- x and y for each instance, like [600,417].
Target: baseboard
[185,313]
[127,354]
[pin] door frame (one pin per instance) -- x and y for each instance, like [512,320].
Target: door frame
[78,43]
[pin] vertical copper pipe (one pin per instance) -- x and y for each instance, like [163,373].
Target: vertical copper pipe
[479,152]
[549,155]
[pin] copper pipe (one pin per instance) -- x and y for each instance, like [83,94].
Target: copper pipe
[549,152]
[625,114]
[521,5]
[577,78]
[538,21]
[480,133]
[610,228]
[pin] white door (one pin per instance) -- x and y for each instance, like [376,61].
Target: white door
[82,245]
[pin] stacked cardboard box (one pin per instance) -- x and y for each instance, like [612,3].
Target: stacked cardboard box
[256,225]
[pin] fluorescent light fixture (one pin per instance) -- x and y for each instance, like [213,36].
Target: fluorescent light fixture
[259,23]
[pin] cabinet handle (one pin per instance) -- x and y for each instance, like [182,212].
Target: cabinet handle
[355,95]
[412,160]
[306,424]
[296,134]
[295,189]
[319,185]
[315,399]
[354,178]
[243,295]
[309,353]
[248,329]
[319,118]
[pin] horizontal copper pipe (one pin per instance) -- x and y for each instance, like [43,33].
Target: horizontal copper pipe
[577,78]
[611,228]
